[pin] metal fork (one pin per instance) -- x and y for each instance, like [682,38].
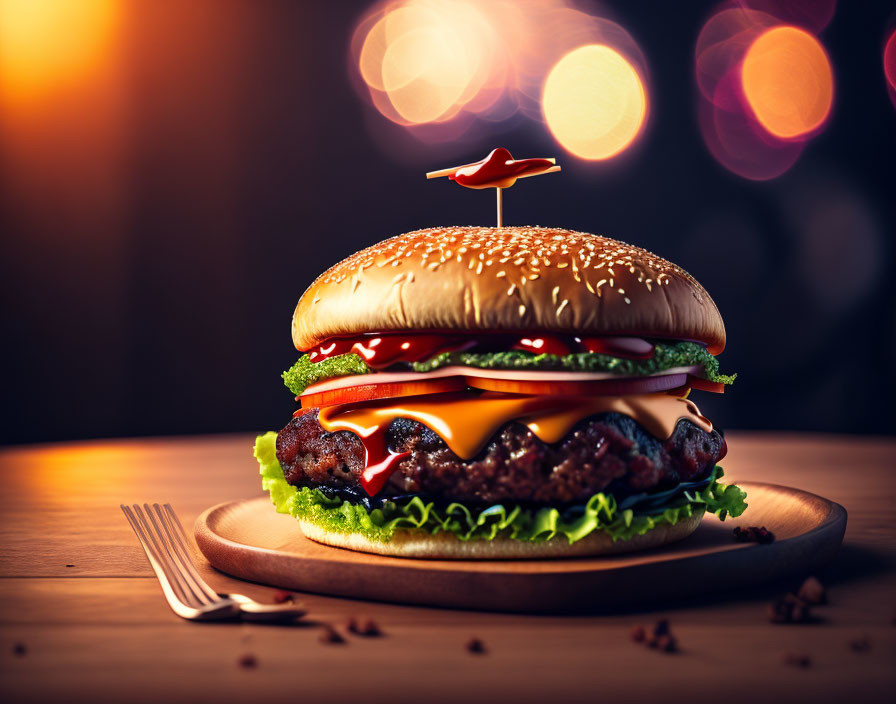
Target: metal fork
[165,543]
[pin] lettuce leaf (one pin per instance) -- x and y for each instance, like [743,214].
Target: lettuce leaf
[600,513]
[666,356]
[304,373]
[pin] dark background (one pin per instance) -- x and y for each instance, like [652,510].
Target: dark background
[160,220]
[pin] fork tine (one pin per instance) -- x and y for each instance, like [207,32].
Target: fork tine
[156,560]
[176,522]
[181,539]
[182,553]
[176,565]
[174,574]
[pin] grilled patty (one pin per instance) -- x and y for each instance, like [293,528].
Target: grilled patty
[609,452]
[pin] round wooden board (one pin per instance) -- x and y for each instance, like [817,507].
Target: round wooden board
[249,540]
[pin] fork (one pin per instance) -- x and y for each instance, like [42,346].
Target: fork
[165,543]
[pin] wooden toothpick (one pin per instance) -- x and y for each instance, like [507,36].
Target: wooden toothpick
[499,170]
[500,208]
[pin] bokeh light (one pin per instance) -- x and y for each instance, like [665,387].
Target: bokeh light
[427,59]
[840,246]
[788,82]
[594,102]
[440,70]
[46,44]
[813,15]
[742,147]
[890,66]
[766,88]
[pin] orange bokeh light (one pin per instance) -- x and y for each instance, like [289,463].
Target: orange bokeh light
[594,102]
[787,81]
[46,44]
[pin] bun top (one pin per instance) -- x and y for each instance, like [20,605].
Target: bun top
[508,279]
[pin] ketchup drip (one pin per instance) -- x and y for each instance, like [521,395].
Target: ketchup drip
[379,462]
[383,350]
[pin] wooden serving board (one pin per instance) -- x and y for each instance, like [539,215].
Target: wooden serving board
[249,540]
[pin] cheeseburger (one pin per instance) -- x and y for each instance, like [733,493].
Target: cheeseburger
[514,392]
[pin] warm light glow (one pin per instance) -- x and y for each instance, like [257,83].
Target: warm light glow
[448,69]
[788,82]
[427,59]
[594,102]
[765,87]
[45,44]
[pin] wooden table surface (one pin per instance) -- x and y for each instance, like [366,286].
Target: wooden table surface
[83,618]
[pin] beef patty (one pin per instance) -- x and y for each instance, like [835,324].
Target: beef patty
[609,452]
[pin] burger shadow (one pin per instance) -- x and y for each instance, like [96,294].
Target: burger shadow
[852,564]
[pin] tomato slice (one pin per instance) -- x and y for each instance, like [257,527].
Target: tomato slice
[610,387]
[606,387]
[705,384]
[370,392]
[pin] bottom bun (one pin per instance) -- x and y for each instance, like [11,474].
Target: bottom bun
[444,546]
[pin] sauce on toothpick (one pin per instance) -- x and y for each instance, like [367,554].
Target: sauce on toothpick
[499,170]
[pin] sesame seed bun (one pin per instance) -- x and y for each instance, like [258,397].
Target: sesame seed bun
[509,279]
[445,546]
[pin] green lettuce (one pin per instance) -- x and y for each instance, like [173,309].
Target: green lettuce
[600,513]
[666,356]
[304,373]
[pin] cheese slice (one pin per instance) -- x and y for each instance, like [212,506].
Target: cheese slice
[466,420]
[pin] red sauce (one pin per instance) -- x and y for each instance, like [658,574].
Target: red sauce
[382,350]
[379,462]
[498,170]
[630,347]
[544,344]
